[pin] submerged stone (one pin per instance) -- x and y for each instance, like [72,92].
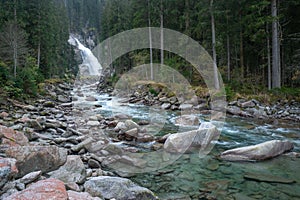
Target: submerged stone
[257,152]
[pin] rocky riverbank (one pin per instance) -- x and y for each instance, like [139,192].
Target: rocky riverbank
[155,94]
[58,147]
[44,156]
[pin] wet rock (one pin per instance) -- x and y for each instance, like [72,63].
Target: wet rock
[122,116]
[35,158]
[131,125]
[201,139]
[267,178]
[90,98]
[175,197]
[10,137]
[120,127]
[80,196]
[119,188]
[132,133]
[143,122]
[72,171]
[260,151]
[187,120]
[166,106]
[44,189]
[145,138]
[8,170]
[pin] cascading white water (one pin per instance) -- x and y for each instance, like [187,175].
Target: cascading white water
[89,60]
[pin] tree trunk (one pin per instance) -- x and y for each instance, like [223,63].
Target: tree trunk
[39,54]
[216,80]
[150,43]
[15,42]
[241,48]
[161,34]
[275,47]
[228,53]
[269,60]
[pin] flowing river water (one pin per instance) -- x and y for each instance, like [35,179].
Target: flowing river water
[191,177]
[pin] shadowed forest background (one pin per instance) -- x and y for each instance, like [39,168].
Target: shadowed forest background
[34,37]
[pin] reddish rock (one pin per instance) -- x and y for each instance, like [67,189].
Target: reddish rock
[80,196]
[50,189]
[8,170]
[12,137]
[4,115]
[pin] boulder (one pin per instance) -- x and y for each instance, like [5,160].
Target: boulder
[50,189]
[29,178]
[247,104]
[72,171]
[12,137]
[63,99]
[35,158]
[187,120]
[80,196]
[131,124]
[202,138]
[166,106]
[108,187]
[93,123]
[8,170]
[120,127]
[268,178]
[257,152]
[90,98]
[49,104]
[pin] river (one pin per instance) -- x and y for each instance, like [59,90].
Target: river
[191,177]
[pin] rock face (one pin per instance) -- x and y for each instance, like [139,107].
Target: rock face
[50,189]
[260,151]
[187,120]
[119,188]
[201,138]
[72,171]
[8,170]
[35,158]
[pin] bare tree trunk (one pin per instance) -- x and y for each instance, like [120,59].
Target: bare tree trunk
[15,42]
[228,54]
[241,48]
[150,42]
[269,60]
[216,79]
[275,48]
[161,34]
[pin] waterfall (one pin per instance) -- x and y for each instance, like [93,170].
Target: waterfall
[89,60]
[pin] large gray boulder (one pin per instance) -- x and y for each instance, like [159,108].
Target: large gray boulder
[35,158]
[72,171]
[258,152]
[108,187]
[202,139]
